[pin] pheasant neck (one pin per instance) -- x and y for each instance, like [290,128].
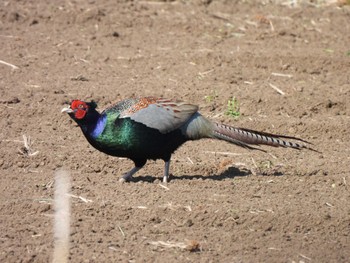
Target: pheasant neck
[93,124]
[99,125]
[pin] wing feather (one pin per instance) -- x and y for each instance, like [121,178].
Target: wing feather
[162,114]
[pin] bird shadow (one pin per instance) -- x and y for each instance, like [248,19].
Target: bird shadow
[230,173]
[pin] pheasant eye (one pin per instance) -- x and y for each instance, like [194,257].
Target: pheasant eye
[80,106]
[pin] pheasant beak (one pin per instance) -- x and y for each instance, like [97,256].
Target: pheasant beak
[67,110]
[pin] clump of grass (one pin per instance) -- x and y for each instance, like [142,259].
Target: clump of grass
[233,109]
[268,164]
[212,97]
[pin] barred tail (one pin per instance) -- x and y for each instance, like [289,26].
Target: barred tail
[244,137]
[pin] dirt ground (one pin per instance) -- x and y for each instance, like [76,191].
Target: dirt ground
[288,67]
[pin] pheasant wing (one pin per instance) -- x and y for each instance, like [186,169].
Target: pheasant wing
[162,114]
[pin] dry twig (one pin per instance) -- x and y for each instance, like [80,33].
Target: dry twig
[85,200]
[277,89]
[9,64]
[225,153]
[121,231]
[163,186]
[26,149]
[281,75]
[190,245]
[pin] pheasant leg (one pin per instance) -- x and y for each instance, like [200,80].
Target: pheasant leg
[166,172]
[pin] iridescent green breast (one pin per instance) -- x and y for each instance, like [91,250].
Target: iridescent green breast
[115,136]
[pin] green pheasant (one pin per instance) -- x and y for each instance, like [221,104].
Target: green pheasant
[153,128]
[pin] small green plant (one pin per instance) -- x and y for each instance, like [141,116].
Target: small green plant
[329,50]
[213,96]
[266,164]
[233,108]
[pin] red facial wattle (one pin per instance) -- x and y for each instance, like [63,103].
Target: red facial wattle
[80,109]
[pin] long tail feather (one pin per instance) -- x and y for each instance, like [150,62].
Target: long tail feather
[244,137]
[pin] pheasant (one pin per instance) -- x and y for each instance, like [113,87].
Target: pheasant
[153,128]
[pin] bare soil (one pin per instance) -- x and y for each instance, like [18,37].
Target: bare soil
[224,203]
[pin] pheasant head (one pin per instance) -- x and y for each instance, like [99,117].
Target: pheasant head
[79,110]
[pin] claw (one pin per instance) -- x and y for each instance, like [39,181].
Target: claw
[122,180]
[129,175]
